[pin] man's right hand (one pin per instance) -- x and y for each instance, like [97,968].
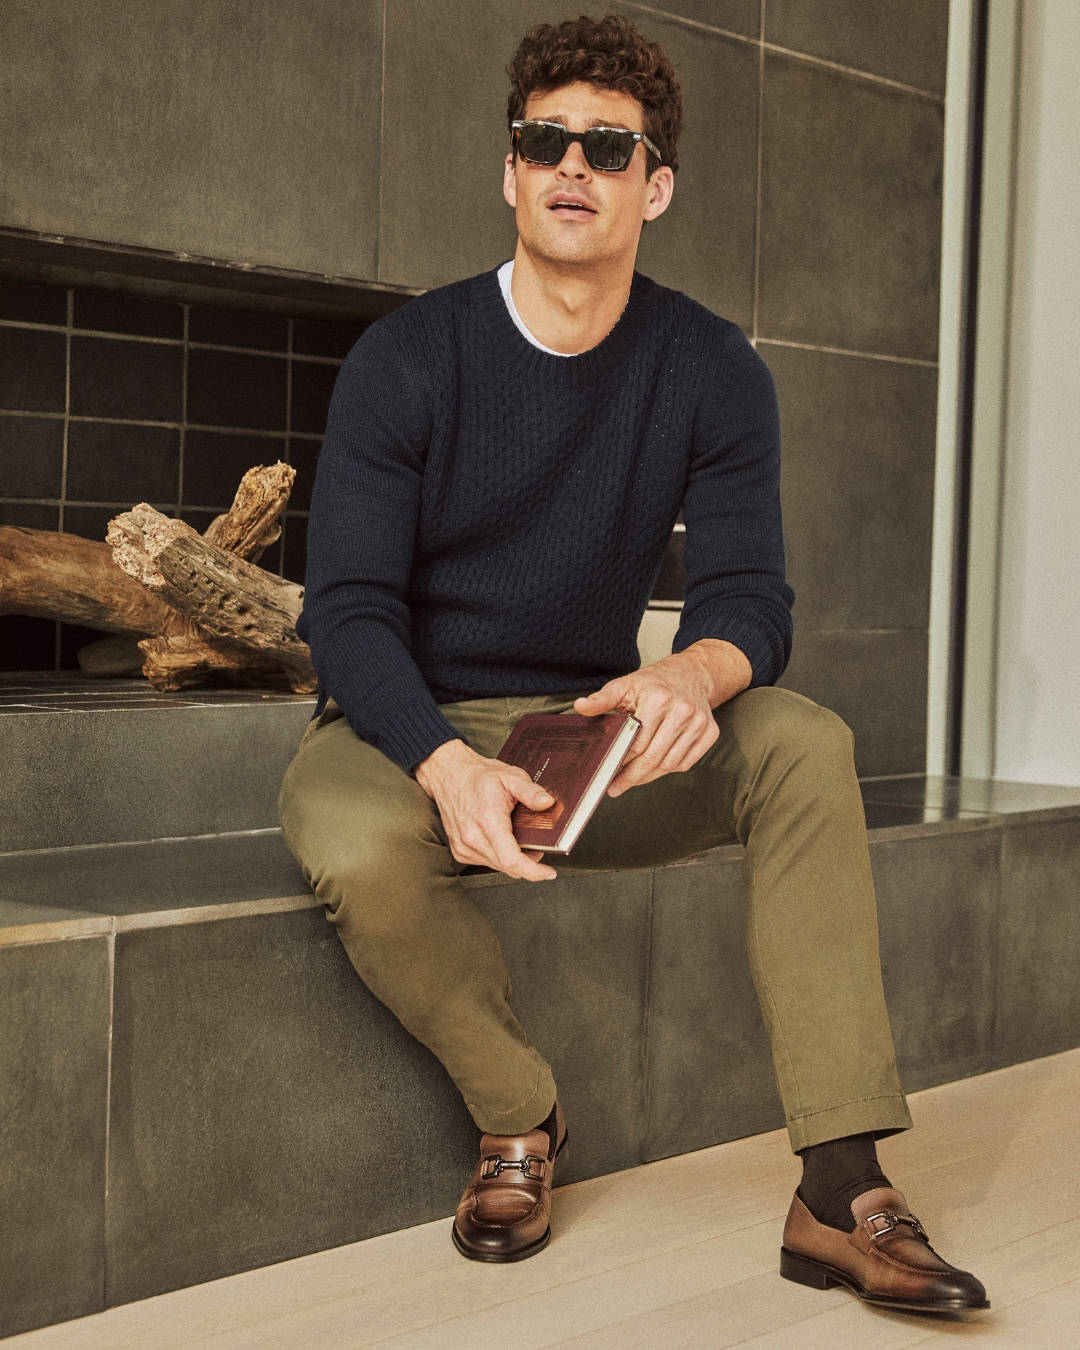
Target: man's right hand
[475,797]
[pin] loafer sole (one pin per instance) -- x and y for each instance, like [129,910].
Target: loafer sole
[820,1275]
[531,1250]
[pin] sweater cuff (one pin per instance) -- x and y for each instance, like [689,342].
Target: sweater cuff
[761,648]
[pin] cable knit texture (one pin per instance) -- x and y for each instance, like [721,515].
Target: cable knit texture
[488,519]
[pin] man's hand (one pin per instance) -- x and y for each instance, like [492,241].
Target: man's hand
[673,700]
[475,797]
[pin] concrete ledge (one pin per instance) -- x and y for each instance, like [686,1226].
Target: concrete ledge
[181,1018]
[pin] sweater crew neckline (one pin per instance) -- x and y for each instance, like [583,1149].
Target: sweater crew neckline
[511,346]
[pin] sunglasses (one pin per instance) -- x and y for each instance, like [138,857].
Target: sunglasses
[606,149]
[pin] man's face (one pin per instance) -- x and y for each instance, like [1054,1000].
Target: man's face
[606,224]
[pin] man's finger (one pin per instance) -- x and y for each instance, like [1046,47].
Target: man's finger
[511,860]
[603,700]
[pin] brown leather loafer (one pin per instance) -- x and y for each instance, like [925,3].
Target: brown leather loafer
[505,1211]
[887,1260]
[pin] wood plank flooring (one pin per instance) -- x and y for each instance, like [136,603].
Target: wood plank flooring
[683,1253]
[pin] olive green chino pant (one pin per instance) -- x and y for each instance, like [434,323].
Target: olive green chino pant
[780,780]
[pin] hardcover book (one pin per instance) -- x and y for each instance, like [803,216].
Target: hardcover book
[575,758]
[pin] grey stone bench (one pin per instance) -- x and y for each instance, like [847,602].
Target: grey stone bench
[195,1082]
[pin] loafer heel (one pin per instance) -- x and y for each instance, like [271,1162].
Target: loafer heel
[804,1271]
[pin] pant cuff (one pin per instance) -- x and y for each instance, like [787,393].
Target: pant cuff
[527,1114]
[879,1116]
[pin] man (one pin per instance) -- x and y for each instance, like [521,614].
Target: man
[504,460]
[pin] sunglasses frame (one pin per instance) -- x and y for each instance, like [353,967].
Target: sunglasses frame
[518,125]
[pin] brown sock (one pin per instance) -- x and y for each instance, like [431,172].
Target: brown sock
[834,1173]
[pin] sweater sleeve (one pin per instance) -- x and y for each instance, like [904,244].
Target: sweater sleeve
[361,531]
[734,539]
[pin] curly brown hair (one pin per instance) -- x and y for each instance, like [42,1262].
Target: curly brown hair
[611,54]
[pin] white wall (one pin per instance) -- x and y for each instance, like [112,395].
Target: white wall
[1038,689]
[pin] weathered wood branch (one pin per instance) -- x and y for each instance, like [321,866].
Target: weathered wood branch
[253,521]
[52,575]
[210,613]
[223,594]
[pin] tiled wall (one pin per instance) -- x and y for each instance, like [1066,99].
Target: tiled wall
[807,209]
[107,400]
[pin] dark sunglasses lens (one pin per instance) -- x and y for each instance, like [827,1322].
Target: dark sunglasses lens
[607,149]
[542,144]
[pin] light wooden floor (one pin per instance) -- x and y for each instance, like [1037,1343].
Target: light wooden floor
[683,1253]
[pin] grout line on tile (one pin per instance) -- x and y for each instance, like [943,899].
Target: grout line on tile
[759,186]
[183,409]
[926,95]
[146,422]
[684,21]
[379,173]
[848,351]
[140,843]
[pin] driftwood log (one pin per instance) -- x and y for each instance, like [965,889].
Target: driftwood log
[205,612]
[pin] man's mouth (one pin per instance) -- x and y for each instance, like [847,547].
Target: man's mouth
[571,204]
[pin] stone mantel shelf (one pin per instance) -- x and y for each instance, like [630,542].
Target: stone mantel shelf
[65,260]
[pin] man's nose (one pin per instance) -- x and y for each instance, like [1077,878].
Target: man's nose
[574,164]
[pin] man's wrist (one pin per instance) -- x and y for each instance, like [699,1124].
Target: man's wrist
[725,668]
[442,760]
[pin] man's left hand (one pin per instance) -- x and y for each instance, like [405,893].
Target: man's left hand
[673,700]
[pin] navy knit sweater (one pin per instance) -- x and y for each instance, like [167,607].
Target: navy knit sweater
[489,519]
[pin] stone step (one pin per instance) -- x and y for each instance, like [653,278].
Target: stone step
[181,1020]
[107,761]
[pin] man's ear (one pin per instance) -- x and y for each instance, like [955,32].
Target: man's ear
[510,181]
[661,185]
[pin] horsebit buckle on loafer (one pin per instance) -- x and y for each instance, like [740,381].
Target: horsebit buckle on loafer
[522,1165]
[889,1221]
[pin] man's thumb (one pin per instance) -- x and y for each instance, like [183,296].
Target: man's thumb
[600,701]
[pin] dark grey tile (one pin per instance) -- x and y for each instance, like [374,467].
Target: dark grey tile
[111,462]
[710,1071]
[215,462]
[938,914]
[32,370]
[736,16]
[1037,1002]
[238,328]
[92,522]
[66,784]
[31,456]
[303,456]
[30,515]
[851,212]
[156,876]
[111,312]
[264,1105]
[27,643]
[124,378]
[294,549]
[54,1008]
[312,385]
[234,389]
[876,681]
[578,967]
[442,215]
[903,42]
[857,486]
[975,795]
[259,146]
[31,303]
[671,580]
[325,337]
[704,243]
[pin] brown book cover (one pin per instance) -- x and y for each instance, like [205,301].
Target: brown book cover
[575,758]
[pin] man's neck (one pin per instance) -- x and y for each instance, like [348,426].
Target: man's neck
[569,308]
